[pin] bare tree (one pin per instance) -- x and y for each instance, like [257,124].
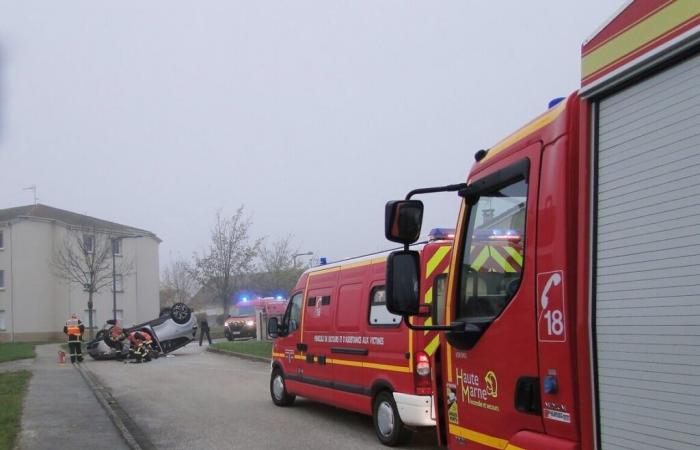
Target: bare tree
[178,280]
[85,259]
[279,270]
[230,257]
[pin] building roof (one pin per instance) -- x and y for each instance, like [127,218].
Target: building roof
[45,212]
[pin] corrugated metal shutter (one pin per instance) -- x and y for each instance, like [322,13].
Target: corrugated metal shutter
[647,287]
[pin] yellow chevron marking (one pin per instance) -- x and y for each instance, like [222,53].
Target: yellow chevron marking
[481,259]
[435,260]
[427,323]
[432,346]
[428,296]
[500,260]
[517,257]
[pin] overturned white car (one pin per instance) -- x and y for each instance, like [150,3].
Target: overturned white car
[174,329]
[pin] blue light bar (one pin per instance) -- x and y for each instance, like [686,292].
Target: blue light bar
[441,234]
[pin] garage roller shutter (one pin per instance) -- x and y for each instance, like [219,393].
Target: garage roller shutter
[647,286]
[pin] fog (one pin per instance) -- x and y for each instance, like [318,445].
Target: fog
[312,114]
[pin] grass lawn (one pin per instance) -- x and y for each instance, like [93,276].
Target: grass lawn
[13,351]
[252,347]
[13,385]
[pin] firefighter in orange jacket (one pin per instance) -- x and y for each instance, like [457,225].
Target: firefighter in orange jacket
[141,345]
[74,329]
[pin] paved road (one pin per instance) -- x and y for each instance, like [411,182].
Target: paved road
[206,401]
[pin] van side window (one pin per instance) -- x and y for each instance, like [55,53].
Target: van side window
[293,315]
[378,314]
[439,294]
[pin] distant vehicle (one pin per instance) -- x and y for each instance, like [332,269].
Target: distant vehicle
[338,344]
[174,329]
[242,324]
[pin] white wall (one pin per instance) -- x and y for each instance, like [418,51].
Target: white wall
[43,302]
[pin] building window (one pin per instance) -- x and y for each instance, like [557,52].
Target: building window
[2,240]
[86,322]
[117,246]
[89,243]
[119,283]
[2,279]
[3,326]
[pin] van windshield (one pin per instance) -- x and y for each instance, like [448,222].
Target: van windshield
[492,256]
[245,310]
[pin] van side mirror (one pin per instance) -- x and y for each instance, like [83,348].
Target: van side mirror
[403,220]
[272,327]
[402,283]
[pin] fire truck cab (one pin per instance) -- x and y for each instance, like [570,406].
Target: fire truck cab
[592,342]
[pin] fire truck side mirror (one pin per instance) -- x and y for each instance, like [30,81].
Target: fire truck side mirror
[272,327]
[403,220]
[402,283]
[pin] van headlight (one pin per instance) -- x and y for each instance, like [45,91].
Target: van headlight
[250,323]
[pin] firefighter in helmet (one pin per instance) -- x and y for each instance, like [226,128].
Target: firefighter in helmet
[141,345]
[118,341]
[74,329]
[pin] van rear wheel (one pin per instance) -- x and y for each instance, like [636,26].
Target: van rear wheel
[278,389]
[388,425]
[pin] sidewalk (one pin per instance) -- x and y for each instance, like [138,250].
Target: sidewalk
[60,410]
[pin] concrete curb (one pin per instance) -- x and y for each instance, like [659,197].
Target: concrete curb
[239,355]
[134,437]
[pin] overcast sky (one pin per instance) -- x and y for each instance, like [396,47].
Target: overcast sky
[312,114]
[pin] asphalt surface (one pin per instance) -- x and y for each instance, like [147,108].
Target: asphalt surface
[200,400]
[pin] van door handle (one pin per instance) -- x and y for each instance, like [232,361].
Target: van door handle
[302,347]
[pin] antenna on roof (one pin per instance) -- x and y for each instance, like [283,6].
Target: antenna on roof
[33,189]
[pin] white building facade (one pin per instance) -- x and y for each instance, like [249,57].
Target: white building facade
[35,300]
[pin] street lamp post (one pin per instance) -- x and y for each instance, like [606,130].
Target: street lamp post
[294,257]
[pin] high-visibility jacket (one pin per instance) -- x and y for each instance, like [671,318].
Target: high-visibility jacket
[73,327]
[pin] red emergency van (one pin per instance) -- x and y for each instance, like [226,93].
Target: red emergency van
[338,344]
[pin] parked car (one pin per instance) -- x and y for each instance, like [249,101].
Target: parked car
[174,329]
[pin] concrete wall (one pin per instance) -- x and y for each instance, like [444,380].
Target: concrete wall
[42,301]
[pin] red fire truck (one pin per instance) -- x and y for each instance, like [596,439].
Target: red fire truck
[593,342]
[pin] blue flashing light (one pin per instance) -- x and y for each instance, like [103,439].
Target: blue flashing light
[244,299]
[322,261]
[279,297]
[554,102]
[441,234]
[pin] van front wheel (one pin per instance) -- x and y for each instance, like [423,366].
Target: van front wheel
[278,389]
[390,429]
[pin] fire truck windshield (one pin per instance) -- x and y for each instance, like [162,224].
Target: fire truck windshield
[492,259]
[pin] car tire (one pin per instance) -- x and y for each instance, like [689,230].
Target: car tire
[278,389]
[388,425]
[180,313]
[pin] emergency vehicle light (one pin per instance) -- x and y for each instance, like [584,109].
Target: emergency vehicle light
[497,234]
[441,233]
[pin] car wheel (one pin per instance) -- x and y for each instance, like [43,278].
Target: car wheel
[278,389]
[180,313]
[390,429]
